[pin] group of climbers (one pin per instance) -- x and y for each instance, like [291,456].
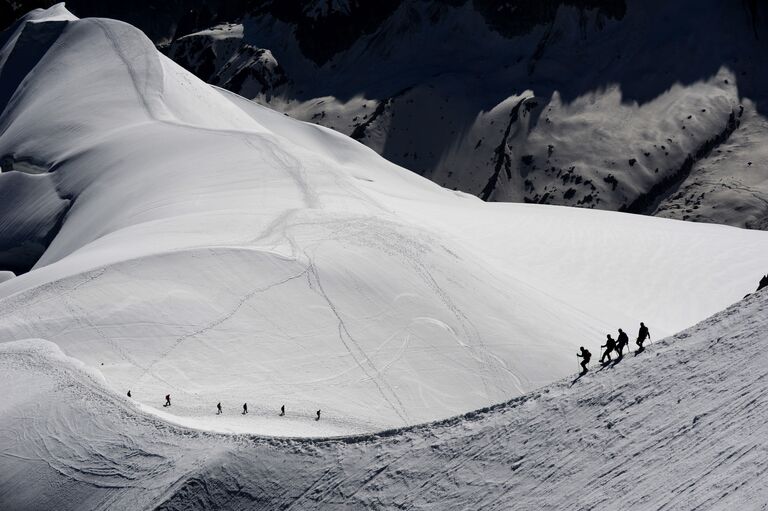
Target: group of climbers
[220,411]
[611,345]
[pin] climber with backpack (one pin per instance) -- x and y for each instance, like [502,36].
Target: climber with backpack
[621,342]
[609,346]
[585,357]
[642,335]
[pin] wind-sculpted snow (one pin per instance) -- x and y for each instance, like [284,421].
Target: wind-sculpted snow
[210,248]
[680,426]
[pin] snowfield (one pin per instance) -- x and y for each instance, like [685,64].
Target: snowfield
[680,426]
[207,247]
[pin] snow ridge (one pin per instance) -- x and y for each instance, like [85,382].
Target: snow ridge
[680,426]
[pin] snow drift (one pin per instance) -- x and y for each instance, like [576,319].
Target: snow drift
[210,248]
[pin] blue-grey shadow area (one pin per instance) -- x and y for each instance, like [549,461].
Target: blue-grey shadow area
[33,43]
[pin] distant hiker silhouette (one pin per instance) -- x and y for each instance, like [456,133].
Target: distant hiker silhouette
[129,393]
[585,357]
[621,342]
[763,283]
[642,335]
[218,408]
[245,408]
[282,410]
[318,415]
[609,346]
[167,400]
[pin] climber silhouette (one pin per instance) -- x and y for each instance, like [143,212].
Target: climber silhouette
[642,335]
[167,400]
[282,410]
[621,342]
[245,408]
[129,393]
[218,409]
[318,415]
[763,283]
[609,346]
[585,357]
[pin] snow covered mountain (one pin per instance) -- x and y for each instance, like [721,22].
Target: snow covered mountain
[194,243]
[645,106]
[164,236]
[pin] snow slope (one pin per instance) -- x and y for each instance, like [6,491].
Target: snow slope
[681,426]
[204,246]
[608,104]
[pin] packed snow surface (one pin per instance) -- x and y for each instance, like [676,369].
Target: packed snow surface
[680,426]
[212,249]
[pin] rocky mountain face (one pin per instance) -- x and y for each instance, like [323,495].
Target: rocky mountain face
[646,106]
